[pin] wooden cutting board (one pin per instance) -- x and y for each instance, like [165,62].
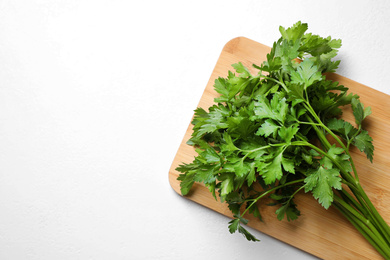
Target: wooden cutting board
[323,233]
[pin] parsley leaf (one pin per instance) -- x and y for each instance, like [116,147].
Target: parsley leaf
[240,68]
[364,143]
[235,225]
[336,154]
[322,182]
[343,128]
[227,183]
[306,73]
[295,32]
[222,86]
[288,210]
[269,127]
[359,111]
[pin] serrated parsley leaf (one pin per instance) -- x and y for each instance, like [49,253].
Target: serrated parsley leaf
[296,91]
[359,111]
[242,168]
[288,165]
[251,177]
[240,126]
[235,225]
[317,45]
[216,119]
[206,174]
[273,171]
[322,182]
[286,52]
[336,154]
[269,127]
[222,86]
[227,145]
[240,68]
[262,109]
[227,183]
[186,181]
[287,133]
[364,143]
[288,210]
[254,210]
[294,32]
[211,155]
[343,128]
[276,108]
[306,73]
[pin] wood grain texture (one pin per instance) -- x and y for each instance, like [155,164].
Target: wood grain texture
[323,233]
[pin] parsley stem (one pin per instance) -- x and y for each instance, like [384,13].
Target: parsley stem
[314,114]
[348,198]
[365,206]
[368,211]
[320,135]
[335,137]
[345,149]
[261,148]
[377,216]
[357,215]
[269,191]
[304,143]
[274,80]
[365,231]
[353,183]
[308,123]
[295,192]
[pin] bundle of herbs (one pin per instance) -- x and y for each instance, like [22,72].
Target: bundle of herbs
[272,130]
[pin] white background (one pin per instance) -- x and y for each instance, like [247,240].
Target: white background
[95,97]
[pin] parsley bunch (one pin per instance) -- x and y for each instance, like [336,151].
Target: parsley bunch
[267,136]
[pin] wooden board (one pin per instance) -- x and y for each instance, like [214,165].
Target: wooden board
[325,234]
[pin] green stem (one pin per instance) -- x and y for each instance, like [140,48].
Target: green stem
[353,166]
[275,80]
[367,234]
[262,148]
[368,210]
[384,226]
[308,123]
[263,91]
[320,134]
[314,114]
[325,141]
[362,219]
[295,193]
[349,199]
[344,173]
[269,191]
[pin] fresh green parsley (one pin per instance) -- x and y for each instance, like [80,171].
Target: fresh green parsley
[271,129]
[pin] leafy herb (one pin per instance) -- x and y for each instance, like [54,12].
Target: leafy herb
[272,129]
